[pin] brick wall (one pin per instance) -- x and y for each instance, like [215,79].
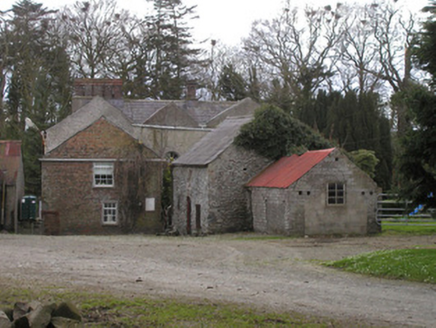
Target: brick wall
[100,140]
[67,182]
[106,88]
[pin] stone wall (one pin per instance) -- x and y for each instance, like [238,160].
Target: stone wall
[67,182]
[304,204]
[228,174]
[218,190]
[190,185]
[269,209]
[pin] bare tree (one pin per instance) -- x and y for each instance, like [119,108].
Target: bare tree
[395,30]
[96,32]
[297,53]
[359,64]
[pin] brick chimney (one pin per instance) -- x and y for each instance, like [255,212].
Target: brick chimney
[191,90]
[86,89]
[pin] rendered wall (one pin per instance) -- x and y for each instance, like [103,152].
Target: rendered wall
[163,140]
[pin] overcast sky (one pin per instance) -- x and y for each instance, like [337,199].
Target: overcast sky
[225,20]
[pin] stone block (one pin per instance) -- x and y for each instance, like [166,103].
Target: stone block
[5,322]
[67,310]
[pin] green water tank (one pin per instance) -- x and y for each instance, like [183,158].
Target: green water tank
[28,208]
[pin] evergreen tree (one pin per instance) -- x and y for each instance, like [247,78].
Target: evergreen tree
[171,41]
[365,160]
[417,160]
[254,87]
[232,84]
[32,149]
[38,79]
[280,96]
[425,50]
[355,121]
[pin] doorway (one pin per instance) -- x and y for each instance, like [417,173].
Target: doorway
[188,215]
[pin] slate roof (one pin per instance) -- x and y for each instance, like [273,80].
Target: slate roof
[288,170]
[10,160]
[214,143]
[139,111]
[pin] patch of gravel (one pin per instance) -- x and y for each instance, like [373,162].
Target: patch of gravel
[277,274]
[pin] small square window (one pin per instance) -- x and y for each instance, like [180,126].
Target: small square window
[336,194]
[110,213]
[103,174]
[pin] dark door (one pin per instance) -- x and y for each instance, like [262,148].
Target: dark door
[198,218]
[188,215]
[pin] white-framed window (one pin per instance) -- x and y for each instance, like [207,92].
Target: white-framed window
[336,193]
[103,174]
[110,213]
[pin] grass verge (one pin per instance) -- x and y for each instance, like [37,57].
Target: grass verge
[106,310]
[407,264]
[416,230]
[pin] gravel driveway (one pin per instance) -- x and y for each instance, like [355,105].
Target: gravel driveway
[278,274]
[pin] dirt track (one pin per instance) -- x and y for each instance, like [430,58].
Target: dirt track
[277,274]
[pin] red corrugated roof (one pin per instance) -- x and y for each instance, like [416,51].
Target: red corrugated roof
[287,170]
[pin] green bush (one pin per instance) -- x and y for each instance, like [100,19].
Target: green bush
[274,134]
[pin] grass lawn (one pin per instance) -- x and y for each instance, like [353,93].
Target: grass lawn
[420,229]
[407,264]
[106,310]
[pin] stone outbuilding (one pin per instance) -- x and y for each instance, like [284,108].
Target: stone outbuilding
[318,193]
[208,181]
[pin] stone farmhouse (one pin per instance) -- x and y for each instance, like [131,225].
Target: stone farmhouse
[93,155]
[320,192]
[11,183]
[208,182]
[102,172]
